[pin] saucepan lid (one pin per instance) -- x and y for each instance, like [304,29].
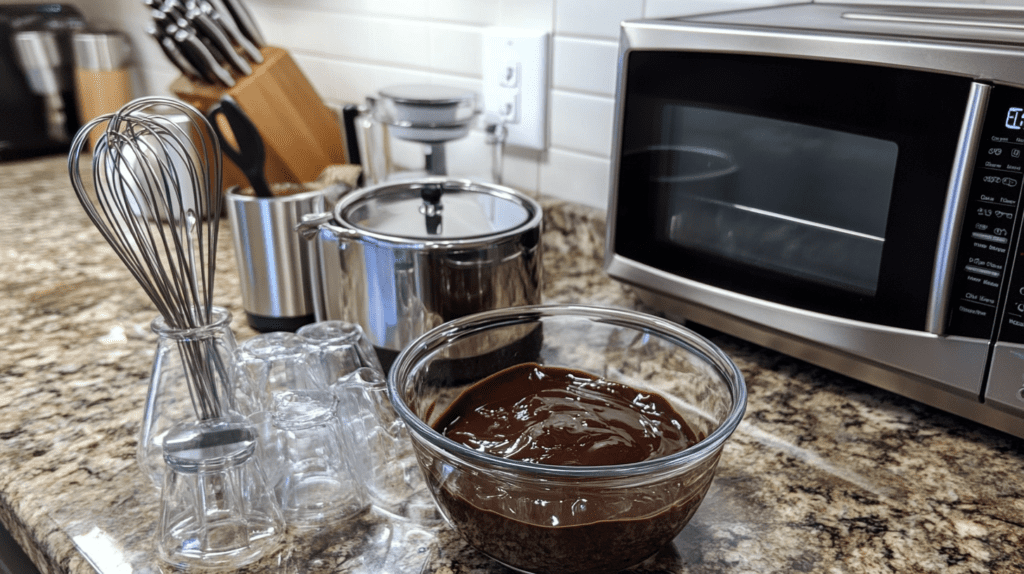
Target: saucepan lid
[438,210]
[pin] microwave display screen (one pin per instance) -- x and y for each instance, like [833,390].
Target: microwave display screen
[807,201]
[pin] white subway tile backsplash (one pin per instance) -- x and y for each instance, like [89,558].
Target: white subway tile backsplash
[582,123]
[328,33]
[594,18]
[463,11]
[456,49]
[407,9]
[533,14]
[522,169]
[585,65]
[400,42]
[575,177]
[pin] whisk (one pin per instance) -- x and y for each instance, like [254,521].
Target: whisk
[156,199]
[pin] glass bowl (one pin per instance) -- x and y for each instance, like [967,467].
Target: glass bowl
[541,518]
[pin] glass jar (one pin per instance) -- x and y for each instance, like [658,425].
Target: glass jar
[217,510]
[191,380]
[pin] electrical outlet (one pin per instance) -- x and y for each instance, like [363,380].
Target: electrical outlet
[515,74]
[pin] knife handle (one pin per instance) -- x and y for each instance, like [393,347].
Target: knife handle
[212,31]
[219,13]
[245,21]
[193,46]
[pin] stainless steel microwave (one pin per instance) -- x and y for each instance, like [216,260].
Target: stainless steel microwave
[841,183]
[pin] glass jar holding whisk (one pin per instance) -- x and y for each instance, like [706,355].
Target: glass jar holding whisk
[191,380]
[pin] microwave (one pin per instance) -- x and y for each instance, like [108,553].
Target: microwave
[841,183]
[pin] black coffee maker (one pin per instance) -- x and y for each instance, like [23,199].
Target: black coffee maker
[38,110]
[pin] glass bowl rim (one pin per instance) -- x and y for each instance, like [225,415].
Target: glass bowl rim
[664,328]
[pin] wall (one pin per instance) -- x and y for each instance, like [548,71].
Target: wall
[351,48]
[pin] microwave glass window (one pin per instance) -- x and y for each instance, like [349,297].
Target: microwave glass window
[807,201]
[809,183]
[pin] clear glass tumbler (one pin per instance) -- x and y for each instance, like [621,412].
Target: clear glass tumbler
[217,510]
[381,447]
[312,474]
[191,380]
[271,363]
[340,347]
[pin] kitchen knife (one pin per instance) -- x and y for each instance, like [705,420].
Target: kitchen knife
[176,12]
[245,21]
[173,54]
[194,60]
[221,58]
[247,152]
[196,51]
[223,18]
[208,28]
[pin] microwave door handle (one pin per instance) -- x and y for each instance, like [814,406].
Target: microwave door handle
[954,210]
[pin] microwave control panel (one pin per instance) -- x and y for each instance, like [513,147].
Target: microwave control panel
[988,238]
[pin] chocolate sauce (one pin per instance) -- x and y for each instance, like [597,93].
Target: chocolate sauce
[566,417]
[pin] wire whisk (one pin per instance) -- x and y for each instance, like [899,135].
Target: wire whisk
[155,196]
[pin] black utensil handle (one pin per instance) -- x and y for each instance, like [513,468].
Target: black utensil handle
[250,155]
[348,115]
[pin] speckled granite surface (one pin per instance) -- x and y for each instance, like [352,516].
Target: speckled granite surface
[825,474]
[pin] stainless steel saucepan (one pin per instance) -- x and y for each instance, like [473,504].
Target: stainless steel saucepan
[401,258]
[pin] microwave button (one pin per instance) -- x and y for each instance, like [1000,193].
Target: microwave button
[995,213]
[983,249]
[980,298]
[996,179]
[998,197]
[989,237]
[982,271]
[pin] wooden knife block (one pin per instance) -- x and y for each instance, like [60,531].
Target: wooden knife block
[300,133]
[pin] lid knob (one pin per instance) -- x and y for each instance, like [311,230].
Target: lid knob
[431,208]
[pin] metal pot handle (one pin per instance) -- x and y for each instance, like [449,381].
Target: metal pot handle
[310,224]
[309,228]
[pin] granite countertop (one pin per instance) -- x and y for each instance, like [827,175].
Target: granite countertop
[825,474]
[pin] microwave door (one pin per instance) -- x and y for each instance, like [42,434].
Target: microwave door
[805,211]
[825,194]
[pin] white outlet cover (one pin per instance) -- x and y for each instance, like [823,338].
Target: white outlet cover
[515,78]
